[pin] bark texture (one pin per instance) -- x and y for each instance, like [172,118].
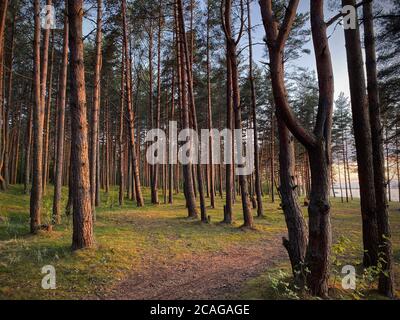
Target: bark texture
[62,90]
[386,277]
[82,236]
[362,136]
[96,107]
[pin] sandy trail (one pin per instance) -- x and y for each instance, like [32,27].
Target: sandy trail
[217,275]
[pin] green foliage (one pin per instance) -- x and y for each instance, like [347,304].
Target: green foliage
[283,285]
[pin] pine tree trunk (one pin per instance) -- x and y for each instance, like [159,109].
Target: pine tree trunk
[232,60]
[107,147]
[82,236]
[272,137]
[386,277]
[28,141]
[171,172]
[257,182]
[297,231]
[187,168]
[3,16]
[151,102]
[228,216]
[348,169]
[47,118]
[344,165]
[154,185]
[121,135]
[37,188]
[189,76]
[9,104]
[15,154]
[94,137]
[340,182]
[61,126]
[362,135]
[211,166]
[128,80]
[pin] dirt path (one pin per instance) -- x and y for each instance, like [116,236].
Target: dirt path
[215,275]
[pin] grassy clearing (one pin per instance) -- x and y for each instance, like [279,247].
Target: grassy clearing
[126,236]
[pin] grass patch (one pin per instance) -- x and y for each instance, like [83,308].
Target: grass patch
[126,236]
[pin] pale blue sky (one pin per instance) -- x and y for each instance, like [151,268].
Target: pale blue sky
[336,43]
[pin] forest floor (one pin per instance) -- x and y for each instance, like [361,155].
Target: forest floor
[157,253]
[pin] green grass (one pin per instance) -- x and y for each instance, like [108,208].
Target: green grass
[346,224]
[126,236]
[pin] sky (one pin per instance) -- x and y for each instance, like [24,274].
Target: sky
[336,42]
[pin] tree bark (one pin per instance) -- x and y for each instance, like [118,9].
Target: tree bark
[362,135]
[7,134]
[296,243]
[61,126]
[3,16]
[232,60]
[28,142]
[46,127]
[154,181]
[121,135]
[257,174]
[171,171]
[96,108]
[272,155]
[128,80]
[209,114]
[37,189]
[187,168]
[228,214]
[82,236]
[192,105]
[386,277]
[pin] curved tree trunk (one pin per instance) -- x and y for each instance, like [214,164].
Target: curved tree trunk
[318,143]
